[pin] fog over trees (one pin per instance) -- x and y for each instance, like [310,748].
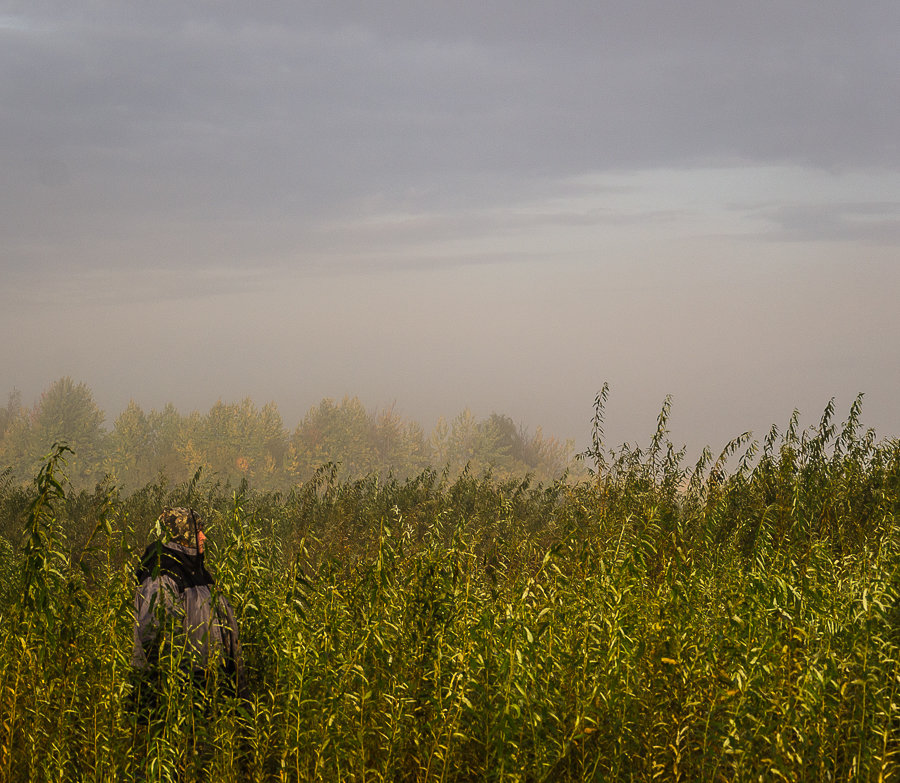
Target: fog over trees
[236,441]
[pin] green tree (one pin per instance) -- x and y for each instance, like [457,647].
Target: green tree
[400,446]
[462,442]
[237,441]
[496,443]
[166,431]
[511,451]
[66,413]
[143,447]
[439,443]
[329,432]
[129,460]
[10,413]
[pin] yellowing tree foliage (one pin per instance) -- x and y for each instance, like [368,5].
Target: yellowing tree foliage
[236,441]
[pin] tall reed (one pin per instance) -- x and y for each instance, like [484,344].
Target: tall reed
[732,619]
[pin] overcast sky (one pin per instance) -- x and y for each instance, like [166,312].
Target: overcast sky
[457,204]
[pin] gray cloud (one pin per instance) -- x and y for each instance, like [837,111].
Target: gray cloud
[863,223]
[137,116]
[165,156]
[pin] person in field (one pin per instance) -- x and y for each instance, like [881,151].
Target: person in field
[182,623]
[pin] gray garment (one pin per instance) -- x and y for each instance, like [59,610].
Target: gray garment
[200,629]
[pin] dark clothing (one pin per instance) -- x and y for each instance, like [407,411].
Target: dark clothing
[175,561]
[179,613]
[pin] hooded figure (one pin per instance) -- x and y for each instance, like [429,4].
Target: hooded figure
[177,610]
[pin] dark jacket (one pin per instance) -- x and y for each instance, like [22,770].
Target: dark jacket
[178,611]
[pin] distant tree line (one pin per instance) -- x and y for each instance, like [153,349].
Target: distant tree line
[236,441]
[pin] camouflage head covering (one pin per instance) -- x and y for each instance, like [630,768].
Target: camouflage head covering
[181,524]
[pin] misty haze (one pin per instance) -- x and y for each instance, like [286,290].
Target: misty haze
[435,210]
[530,371]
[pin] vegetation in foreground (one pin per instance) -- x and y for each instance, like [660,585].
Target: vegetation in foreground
[732,620]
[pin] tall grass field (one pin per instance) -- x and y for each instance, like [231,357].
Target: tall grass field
[737,618]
